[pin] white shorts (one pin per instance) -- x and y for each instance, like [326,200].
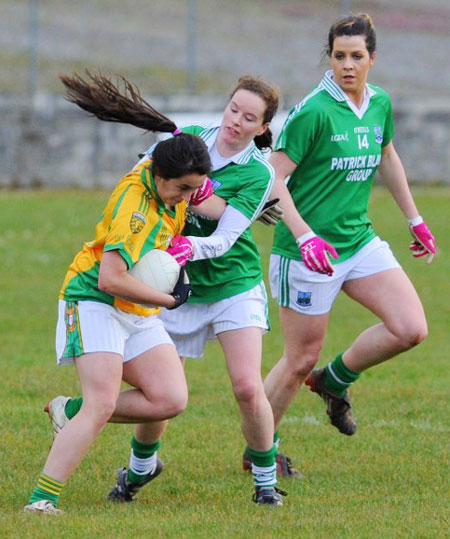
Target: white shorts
[192,324]
[309,292]
[90,326]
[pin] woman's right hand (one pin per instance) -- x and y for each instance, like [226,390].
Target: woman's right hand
[423,243]
[182,290]
[314,253]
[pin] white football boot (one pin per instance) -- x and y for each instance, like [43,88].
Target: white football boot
[42,506]
[57,414]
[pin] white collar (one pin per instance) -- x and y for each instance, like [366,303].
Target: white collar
[338,94]
[237,158]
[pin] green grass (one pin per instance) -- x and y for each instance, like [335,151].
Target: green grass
[389,480]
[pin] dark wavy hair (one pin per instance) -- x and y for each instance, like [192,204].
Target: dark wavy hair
[180,155]
[122,102]
[353,25]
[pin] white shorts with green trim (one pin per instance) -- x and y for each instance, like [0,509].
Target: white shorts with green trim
[85,327]
[309,292]
[192,324]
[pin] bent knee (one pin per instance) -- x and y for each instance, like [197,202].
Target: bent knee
[412,334]
[416,335]
[300,365]
[101,411]
[172,405]
[178,405]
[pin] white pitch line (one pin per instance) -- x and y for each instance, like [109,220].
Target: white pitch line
[381,423]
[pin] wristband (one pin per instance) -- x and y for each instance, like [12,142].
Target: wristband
[415,221]
[305,237]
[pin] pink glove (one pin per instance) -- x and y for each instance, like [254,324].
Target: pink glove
[181,249]
[202,193]
[314,253]
[423,243]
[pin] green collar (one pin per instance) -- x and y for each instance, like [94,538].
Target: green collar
[149,182]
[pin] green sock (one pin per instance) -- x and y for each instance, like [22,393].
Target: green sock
[263,458]
[142,459]
[276,441]
[338,377]
[47,489]
[73,406]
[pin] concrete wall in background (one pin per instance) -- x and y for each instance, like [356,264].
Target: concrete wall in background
[52,144]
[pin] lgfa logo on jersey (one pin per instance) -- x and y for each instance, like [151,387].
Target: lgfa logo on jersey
[340,137]
[137,222]
[378,134]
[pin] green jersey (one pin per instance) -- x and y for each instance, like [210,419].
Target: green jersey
[337,148]
[245,183]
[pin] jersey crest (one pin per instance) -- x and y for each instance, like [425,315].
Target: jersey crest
[216,184]
[378,134]
[137,222]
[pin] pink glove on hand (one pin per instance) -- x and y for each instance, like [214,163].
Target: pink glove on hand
[181,249]
[202,193]
[423,243]
[314,253]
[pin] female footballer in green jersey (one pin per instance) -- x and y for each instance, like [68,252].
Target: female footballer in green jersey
[103,327]
[330,147]
[229,301]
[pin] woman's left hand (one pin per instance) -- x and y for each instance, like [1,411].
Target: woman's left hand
[271,212]
[423,243]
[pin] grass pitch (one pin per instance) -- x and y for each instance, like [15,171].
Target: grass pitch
[390,479]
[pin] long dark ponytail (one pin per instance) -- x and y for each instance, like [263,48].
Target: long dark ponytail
[104,99]
[122,102]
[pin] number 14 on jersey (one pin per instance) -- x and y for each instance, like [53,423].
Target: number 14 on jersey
[363,142]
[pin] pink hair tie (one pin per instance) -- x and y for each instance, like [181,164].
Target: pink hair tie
[177,132]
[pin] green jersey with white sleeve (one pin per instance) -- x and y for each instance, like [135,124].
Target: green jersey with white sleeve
[244,181]
[337,148]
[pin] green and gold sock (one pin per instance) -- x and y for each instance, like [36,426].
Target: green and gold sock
[47,489]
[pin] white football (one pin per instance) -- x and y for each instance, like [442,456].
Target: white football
[158,269]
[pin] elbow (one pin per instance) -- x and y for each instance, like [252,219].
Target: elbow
[231,243]
[105,284]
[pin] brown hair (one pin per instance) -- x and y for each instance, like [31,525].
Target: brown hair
[271,97]
[353,25]
[106,100]
[172,158]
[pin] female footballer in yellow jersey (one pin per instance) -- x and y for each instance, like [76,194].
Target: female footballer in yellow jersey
[103,330]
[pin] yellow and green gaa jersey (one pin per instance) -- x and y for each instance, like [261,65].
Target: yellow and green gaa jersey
[134,221]
[337,150]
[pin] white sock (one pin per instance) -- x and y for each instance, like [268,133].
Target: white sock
[142,466]
[264,476]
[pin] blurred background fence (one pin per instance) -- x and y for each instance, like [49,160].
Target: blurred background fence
[185,56]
